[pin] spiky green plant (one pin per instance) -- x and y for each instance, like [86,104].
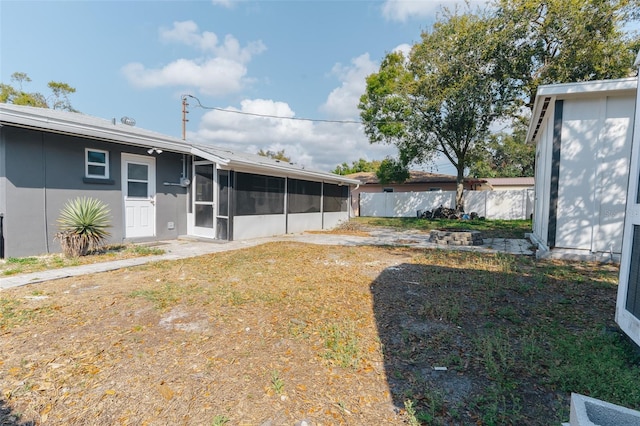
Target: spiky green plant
[82,225]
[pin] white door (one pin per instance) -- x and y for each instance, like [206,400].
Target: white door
[139,192]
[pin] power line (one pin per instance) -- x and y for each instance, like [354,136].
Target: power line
[315,120]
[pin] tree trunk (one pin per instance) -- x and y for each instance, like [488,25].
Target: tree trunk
[460,191]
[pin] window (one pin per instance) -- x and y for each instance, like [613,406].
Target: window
[258,194]
[96,164]
[336,198]
[387,189]
[304,196]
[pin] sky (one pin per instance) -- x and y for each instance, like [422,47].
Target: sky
[302,59]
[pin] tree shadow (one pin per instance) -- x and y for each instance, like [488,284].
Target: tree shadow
[468,346]
[9,418]
[419,338]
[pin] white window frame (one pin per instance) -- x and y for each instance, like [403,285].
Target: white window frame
[88,163]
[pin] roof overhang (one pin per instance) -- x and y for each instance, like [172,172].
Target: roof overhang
[80,125]
[88,127]
[548,94]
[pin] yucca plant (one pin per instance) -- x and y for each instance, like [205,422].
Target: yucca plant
[82,225]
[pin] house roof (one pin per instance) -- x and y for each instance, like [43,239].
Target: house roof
[548,94]
[370,178]
[515,181]
[77,124]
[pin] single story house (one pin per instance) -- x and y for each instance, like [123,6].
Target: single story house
[582,133]
[156,186]
[418,181]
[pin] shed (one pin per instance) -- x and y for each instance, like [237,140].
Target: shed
[582,133]
[156,186]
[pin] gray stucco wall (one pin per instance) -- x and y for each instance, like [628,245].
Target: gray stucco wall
[44,170]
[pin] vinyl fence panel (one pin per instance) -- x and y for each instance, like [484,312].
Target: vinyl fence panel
[516,204]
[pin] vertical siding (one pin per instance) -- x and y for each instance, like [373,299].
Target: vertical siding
[580,129]
[612,174]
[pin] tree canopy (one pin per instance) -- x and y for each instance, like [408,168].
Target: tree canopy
[14,94]
[506,155]
[473,69]
[276,155]
[443,97]
[392,171]
[563,41]
[360,165]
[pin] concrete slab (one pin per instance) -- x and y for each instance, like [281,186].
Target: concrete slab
[586,411]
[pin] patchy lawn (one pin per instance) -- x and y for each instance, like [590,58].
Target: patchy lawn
[24,265]
[286,332]
[489,228]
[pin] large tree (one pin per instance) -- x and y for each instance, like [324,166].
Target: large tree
[14,94]
[442,98]
[507,154]
[563,41]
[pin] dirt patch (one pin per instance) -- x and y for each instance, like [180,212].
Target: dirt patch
[285,333]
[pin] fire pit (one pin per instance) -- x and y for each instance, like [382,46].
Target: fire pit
[456,237]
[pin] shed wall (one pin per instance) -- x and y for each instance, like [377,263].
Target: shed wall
[594,167]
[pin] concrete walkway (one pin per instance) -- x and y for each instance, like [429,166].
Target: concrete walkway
[186,248]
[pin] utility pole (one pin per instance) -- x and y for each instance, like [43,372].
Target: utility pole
[184,117]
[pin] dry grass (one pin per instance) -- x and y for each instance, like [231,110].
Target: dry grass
[286,332]
[24,265]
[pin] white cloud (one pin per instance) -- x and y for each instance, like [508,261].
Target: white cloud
[319,146]
[221,70]
[402,10]
[342,102]
[224,3]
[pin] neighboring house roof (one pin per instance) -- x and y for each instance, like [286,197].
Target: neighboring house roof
[515,181]
[549,93]
[77,124]
[415,177]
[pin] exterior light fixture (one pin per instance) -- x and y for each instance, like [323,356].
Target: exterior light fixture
[152,150]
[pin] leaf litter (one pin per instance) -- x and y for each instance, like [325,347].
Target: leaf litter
[352,332]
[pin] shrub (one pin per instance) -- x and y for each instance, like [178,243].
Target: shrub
[82,225]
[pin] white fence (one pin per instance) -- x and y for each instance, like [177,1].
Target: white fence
[514,204]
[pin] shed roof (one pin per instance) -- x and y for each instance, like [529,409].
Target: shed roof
[547,94]
[77,124]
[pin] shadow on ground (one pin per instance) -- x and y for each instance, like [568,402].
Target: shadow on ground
[452,342]
[9,418]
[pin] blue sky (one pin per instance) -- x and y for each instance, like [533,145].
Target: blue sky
[305,59]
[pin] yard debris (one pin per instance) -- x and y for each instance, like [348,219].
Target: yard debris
[447,213]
